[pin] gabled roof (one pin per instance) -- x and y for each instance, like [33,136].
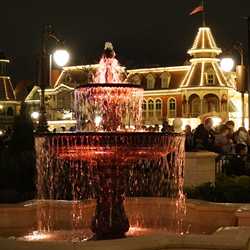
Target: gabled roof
[6,90]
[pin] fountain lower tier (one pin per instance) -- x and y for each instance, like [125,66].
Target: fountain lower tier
[102,159]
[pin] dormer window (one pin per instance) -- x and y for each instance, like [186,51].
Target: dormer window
[150,81]
[165,80]
[210,75]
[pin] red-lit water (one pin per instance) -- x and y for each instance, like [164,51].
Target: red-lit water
[118,106]
[106,164]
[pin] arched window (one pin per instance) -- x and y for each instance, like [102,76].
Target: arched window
[171,108]
[165,80]
[150,108]
[144,109]
[158,108]
[211,103]
[10,111]
[194,105]
[158,104]
[150,81]
[150,105]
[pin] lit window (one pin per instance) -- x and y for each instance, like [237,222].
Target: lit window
[172,108]
[150,108]
[158,108]
[210,79]
[158,105]
[144,105]
[151,105]
[150,81]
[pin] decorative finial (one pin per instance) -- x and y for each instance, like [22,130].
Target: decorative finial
[109,50]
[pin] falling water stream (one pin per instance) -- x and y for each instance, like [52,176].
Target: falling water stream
[108,159]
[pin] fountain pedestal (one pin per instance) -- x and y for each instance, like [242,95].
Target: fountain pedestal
[110,220]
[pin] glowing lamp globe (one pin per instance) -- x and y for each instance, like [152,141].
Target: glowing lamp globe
[61,57]
[227,64]
[35,115]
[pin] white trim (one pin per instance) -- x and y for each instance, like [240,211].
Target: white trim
[158,70]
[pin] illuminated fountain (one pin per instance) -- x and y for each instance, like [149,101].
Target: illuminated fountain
[101,159]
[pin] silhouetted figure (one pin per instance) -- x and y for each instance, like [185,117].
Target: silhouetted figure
[204,136]
[22,137]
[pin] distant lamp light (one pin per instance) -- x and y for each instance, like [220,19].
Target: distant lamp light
[61,57]
[1,132]
[35,115]
[216,121]
[1,107]
[227,64]
[98,120]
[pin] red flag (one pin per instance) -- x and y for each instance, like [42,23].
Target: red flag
[197,10]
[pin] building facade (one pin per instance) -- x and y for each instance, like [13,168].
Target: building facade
[191,92]
[9,106]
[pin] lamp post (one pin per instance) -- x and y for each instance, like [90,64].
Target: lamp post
[248,67]
[44,71]
[227,64]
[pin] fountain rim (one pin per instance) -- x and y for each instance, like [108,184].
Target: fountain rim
[110,133]
[109,85]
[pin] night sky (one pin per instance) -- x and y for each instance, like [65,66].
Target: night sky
[144,33]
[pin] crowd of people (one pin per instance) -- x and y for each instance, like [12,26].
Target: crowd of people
[222,139]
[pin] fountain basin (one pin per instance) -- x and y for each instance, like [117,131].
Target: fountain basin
[104,165]
[68,221]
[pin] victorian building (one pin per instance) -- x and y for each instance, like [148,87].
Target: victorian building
[9,106]
[192,92]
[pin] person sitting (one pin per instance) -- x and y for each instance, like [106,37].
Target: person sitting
[204,136]
[189,142]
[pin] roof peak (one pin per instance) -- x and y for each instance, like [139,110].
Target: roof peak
[204,44]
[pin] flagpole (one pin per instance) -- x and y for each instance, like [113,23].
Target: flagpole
[203,14]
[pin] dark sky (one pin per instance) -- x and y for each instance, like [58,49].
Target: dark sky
[143,32]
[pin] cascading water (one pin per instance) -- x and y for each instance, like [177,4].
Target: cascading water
[109,157]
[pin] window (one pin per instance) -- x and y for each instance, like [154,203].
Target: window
[172,108]
[151,105]
[150,108]
[150,81]
[210,79]
[158,108]
[165,80]
[210,75]
[158,105]
[10,111]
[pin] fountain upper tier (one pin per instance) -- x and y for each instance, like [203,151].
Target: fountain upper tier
[108,107]
[109,103]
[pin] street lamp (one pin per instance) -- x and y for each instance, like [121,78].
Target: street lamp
[61,57]
[45,71]
[227,64]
